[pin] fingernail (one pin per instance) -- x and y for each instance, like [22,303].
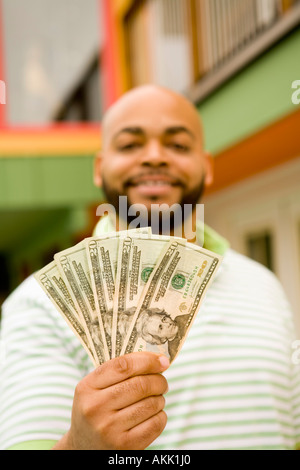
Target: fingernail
[164,361]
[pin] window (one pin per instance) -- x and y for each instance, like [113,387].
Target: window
[47,47]
[159,43]
[84,103]
[260,248]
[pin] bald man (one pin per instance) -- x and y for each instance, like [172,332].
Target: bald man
[233,385]
[154,153]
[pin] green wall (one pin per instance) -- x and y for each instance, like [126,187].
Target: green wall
[43,205]
[46,182]
[259,95]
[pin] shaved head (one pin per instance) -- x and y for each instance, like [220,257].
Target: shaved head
[151,95]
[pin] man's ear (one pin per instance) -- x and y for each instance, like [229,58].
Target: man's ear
[209,169]
[97,170]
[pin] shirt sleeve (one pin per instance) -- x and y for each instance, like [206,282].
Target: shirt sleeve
[41,362]
[294,361]
[34,445]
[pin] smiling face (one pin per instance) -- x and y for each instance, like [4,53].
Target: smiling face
[152,150]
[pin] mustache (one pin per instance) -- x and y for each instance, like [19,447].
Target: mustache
[145,175]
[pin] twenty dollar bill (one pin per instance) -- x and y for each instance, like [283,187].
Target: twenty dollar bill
[171,300]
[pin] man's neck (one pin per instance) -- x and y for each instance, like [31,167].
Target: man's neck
[188,230]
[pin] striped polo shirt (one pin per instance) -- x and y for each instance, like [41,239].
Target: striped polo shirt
[233,385]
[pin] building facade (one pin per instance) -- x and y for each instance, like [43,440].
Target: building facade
[237,61]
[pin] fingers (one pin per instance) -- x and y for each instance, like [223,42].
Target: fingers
[141,411]
[142,435]
[120,404]
[123,367]
[133,390]
[122,401]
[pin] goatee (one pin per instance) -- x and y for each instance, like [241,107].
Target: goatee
[156,217]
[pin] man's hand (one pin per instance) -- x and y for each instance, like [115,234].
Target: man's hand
[119,405]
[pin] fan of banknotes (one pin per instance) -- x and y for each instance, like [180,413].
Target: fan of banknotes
[129,291]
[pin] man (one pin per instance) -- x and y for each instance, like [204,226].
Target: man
[233,385]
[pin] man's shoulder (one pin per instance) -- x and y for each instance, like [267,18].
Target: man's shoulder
[245,279]
[27,293]
[243,266]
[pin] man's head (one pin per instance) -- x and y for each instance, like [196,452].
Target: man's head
[153,150]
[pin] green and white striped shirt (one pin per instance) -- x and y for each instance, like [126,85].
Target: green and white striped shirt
[233,385]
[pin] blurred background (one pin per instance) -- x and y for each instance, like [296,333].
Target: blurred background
[63,62]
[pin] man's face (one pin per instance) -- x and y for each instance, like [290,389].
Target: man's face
[153,151]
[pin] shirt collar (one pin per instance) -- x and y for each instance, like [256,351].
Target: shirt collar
[212,240]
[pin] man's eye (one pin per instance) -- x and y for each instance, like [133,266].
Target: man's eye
[179,147]
[130,146]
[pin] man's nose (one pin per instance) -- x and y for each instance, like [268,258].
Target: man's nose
[154,154]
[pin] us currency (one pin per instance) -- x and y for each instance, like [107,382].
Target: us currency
[102,255]
[171,300]
[136,260]
[73,266]
[53,285]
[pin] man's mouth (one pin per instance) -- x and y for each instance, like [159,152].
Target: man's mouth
[150,185]
[153,184]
